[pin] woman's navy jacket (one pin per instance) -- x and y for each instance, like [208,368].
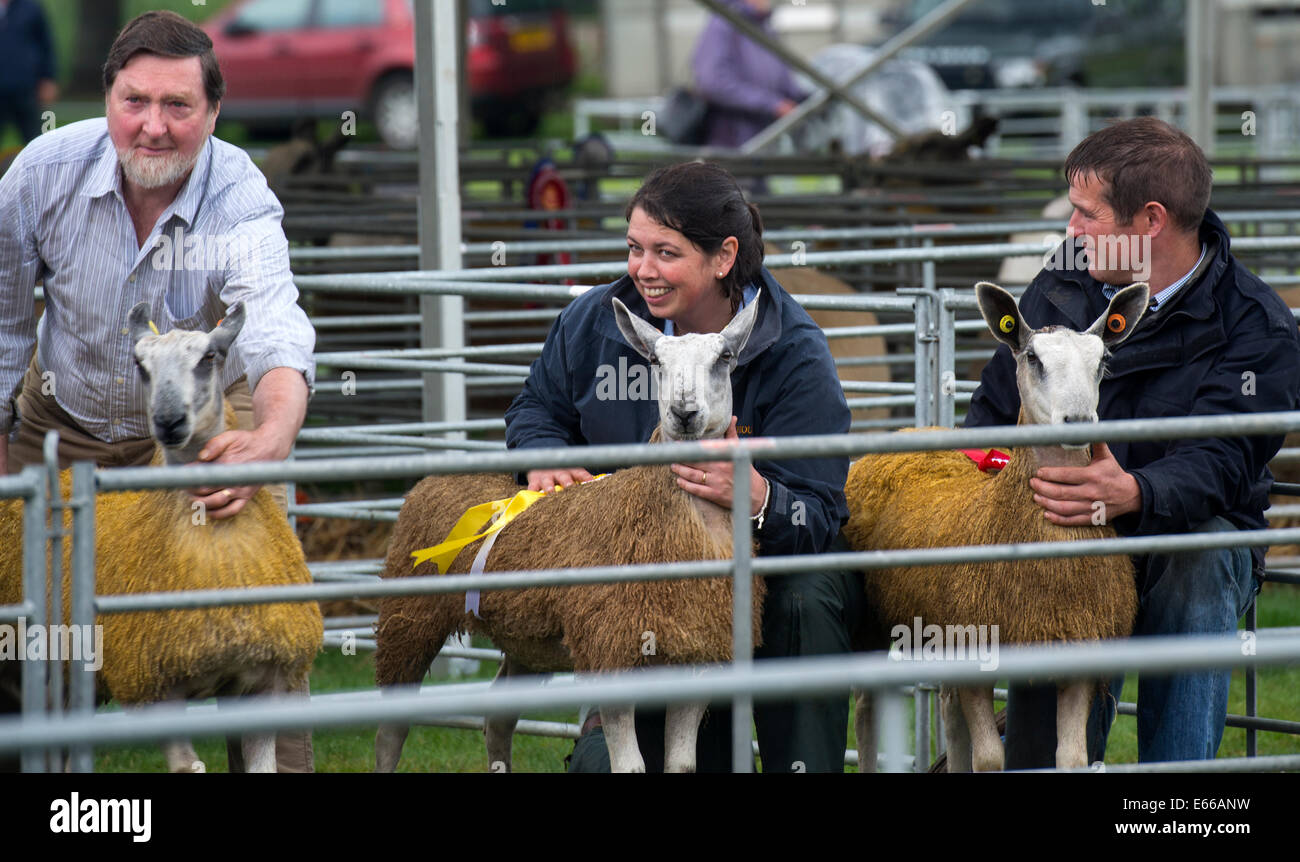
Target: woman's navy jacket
[784,385]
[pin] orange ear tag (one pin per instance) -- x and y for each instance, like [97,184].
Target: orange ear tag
[1007,323]
[1116,323]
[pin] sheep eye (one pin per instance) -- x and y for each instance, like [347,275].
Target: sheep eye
[726,356]
[209,356]
[1031,357]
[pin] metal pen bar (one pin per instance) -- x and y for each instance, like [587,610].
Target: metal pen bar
[823,446]
[766,566]
[767,680]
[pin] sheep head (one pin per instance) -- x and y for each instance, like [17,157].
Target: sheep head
[692,372]
[1058,370]
[181,371]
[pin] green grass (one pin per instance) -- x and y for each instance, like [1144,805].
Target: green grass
[433,749]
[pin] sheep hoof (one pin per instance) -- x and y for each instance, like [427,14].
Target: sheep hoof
[197,766]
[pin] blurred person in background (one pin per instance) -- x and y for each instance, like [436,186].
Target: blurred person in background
[26,66]
[747,87]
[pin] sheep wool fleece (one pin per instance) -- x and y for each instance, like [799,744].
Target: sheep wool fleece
[146,541]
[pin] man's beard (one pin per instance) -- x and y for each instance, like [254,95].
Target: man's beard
[155,172]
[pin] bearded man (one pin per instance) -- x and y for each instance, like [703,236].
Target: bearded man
[145,205]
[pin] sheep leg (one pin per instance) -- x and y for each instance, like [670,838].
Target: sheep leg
[864,727]
[390,738]
[499,730]
[181,757]
[681,728]
[986,744]
[620,737]
[1073,702]
[259,752]
[955,732]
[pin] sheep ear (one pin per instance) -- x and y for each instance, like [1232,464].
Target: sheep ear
[1002,315]
[1122,315]
[138,322]
[641,335]
[223,336]
[736,333]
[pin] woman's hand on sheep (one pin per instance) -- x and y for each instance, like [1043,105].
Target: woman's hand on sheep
[1069,495]
[714,480]
[547,480]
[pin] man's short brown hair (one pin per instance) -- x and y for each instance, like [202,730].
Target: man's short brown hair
[1145,159]
[166,34]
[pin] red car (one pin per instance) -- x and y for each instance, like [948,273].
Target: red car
[288,59]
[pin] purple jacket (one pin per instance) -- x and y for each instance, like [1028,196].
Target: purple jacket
[741,80]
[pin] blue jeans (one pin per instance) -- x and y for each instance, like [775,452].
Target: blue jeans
[1180,716]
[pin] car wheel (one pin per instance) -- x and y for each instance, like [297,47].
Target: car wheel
[396,117]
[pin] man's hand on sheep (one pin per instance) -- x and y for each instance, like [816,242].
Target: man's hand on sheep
[279,406]
[234,447]
[713,480]
[1068,494]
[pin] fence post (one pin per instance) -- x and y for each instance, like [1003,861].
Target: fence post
[946,396]
[742,614]
[34,673]
[82,692]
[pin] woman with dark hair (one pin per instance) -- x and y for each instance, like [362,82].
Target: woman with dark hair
[695,256]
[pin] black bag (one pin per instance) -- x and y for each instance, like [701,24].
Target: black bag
[682,118]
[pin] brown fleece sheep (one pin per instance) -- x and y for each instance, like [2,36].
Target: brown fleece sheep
[938,499]
[635,516]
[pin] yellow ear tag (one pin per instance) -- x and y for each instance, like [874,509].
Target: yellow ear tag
[1007,323]
[154,328]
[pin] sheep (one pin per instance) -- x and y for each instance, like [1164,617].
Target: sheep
[634,516]
[157,540]
[1078,599]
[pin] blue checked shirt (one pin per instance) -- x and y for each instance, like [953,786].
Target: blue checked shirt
[63,222]
[1159,299]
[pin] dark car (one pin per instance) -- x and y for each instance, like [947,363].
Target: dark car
[284,60]
[1034,43]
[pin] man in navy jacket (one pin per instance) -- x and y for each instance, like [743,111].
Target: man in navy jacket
[1215,340]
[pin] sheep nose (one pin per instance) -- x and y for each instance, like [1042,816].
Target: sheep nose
[683,416]
[169,428]
[1081,417]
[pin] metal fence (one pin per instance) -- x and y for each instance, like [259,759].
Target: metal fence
[935,395]
[40,740]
